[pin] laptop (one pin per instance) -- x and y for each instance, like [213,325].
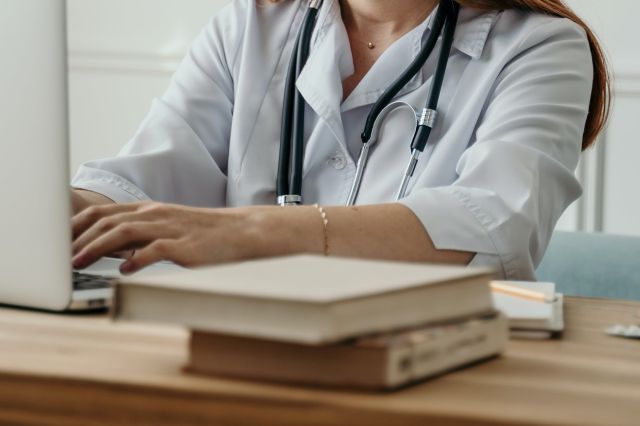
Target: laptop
[35,231]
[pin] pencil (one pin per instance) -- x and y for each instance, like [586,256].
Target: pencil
[520,292]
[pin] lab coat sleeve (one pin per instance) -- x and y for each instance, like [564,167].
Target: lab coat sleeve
[179,154]
[517,178]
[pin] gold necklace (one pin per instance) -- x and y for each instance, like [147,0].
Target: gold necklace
[370,44]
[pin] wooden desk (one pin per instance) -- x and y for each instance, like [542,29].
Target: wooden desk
[81,370]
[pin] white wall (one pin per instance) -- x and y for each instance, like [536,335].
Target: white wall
[610,172]
[122,54]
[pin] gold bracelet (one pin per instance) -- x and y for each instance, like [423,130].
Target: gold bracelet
[325,225]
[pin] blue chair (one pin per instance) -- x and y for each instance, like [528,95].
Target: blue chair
[593,265]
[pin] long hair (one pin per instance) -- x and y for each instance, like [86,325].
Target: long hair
[600,104]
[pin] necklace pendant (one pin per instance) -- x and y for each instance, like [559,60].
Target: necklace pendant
[371,45]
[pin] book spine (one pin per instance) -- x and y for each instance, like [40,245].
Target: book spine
[382,362]
[445,348]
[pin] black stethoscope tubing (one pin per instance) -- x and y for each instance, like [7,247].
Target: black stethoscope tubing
[289,181]
[291,156]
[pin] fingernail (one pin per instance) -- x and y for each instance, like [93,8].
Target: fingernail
[79,261]
[127,267]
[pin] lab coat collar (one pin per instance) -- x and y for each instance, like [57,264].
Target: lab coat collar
[473,31]
[471,36]
[330,61]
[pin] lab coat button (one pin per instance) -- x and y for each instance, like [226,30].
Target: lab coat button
[337,161]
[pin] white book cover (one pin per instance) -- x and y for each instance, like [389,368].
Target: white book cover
[309,279]
[307,299]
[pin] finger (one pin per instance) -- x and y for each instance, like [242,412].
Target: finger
[145,212]
[89,216]
[157,251]
[123,236]
[103,226]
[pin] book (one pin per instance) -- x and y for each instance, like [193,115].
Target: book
[305,299]
[385,361]
[532,318]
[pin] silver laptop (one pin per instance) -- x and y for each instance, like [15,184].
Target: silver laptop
[35,234]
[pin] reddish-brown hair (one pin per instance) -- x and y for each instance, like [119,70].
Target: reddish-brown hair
[600,104]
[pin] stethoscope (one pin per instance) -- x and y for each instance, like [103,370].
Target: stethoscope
[291,158]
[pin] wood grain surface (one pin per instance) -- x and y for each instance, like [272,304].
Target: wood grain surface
[83,370]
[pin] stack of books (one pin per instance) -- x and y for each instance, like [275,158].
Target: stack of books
[324,321]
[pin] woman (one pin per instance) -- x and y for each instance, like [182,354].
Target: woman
[526,89]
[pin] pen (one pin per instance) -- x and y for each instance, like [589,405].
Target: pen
[520,292]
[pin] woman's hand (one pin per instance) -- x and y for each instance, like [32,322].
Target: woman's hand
[187,236]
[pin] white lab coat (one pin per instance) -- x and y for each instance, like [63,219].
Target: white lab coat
[495,178]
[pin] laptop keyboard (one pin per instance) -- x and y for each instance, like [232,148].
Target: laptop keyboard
[90,282]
